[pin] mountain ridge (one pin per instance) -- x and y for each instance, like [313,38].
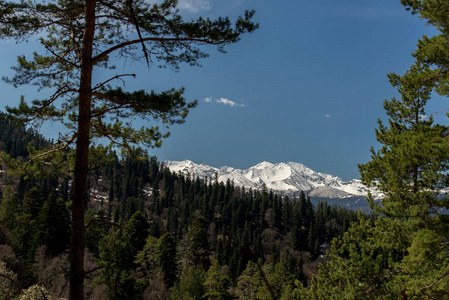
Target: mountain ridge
[287,178]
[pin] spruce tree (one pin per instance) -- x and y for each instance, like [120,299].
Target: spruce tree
[197,244]
[167,258]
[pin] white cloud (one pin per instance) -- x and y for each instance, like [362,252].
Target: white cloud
[224,101]
[327,115]
[194,6]
[228,102]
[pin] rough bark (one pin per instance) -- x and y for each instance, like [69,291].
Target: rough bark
[82,158]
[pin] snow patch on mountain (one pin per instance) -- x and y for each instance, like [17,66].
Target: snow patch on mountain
[287,178]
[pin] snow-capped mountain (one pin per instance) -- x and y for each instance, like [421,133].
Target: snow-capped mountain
[287,178]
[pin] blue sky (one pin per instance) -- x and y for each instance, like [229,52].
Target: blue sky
[307,86]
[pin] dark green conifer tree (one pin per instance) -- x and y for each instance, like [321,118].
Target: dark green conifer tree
[404,252]
[197,244]
[53,223]
[134,235]
[166,257]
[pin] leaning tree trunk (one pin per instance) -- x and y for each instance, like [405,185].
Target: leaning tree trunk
[82,158]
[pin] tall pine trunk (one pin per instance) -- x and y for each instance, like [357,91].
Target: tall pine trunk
[82,158]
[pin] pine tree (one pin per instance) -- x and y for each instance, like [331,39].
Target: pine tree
[410,167]
[82,35]
[404,252]
[217,283]
[190,285]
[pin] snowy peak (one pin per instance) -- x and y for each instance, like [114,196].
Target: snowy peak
[190,168]
[263,165]
[285,178]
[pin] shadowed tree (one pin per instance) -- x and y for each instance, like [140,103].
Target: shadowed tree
[81,36]
[197,252]
[166,258]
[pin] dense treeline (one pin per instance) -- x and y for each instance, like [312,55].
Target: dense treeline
[151,234]
[15,139]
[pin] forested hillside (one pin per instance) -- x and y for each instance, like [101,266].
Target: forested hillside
[154,234]
[78,220]
[14,139]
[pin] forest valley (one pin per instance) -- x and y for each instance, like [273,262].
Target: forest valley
[83,219]
[153,234]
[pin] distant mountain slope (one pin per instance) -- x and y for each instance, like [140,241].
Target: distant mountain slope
[287,178]
[15,138]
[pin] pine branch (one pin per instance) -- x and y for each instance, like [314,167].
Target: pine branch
[265,280]
[100,85]
[102,55]
[435,282]
[133,15]
[65,146]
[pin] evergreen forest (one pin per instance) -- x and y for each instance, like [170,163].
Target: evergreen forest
[81,218]
[154,234]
